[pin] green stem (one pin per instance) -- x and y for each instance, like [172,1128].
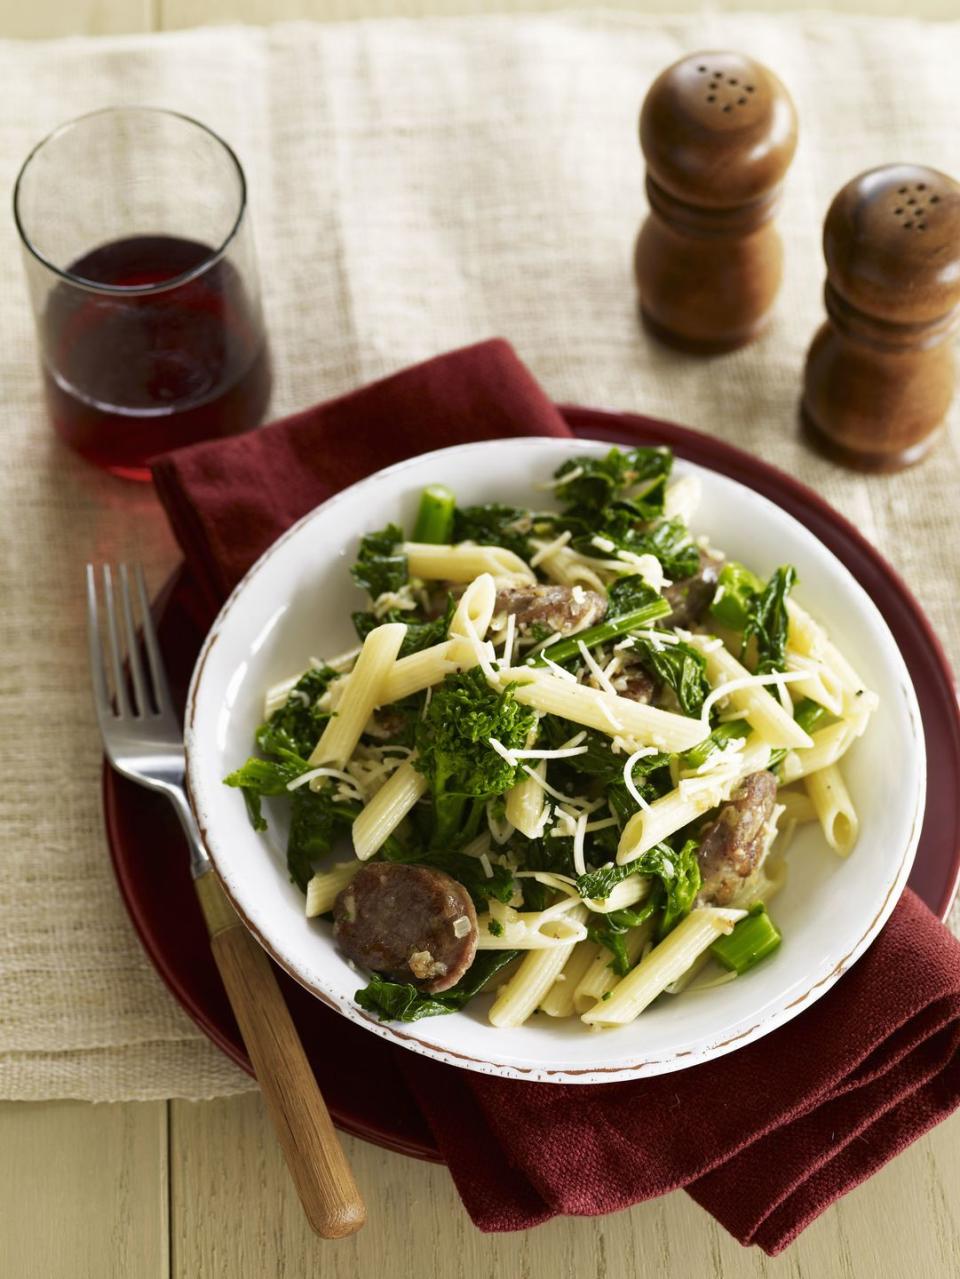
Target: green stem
[601,633]
[751,940]
[435,516]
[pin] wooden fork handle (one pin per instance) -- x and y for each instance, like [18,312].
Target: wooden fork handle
[310,1144]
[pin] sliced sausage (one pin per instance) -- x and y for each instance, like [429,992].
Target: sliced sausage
[636,684]
[732,846]
[412,923]
[563,608]
[691,598]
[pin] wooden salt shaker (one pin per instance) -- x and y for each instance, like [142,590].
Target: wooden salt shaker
[879,376]
[718,132]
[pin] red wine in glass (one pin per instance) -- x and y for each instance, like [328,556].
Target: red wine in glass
[129,375]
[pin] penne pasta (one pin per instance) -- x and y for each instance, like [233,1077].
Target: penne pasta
[539,970]
[693,797]
[465,562]
[569,568]
[829,745]
[607,712]
[414,673]
[796,806]
[474,611]
[377,821]
[531,930]
[323,888]
[764,713]
[633,889]
[600,978]
[682,499]
[820,683]
[363,692]
[834,808]
[526,802]
[558,1001]
[665,964]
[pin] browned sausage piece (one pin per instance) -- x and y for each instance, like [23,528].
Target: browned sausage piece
[636,684]
[412,923]
[732,845]
[691,598]
[563,608]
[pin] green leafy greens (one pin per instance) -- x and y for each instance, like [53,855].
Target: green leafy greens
[767,620]
[589,484]
[679,666]
[381,565]
[400,1001]
[455,755]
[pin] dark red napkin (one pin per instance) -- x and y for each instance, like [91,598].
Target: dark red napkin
[764,1138]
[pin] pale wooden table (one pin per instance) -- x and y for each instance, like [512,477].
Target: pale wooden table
[154,1190]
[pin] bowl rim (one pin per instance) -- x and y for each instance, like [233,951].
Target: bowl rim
[679,1059]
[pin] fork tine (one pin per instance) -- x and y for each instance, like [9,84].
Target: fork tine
[133,648]
[158,674]
[116,662]
[97,673]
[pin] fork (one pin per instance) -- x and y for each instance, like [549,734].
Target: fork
[143,740]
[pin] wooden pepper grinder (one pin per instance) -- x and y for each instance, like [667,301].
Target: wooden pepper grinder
[718,132]
[879,375]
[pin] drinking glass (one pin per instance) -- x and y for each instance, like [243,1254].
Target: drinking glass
[142,275]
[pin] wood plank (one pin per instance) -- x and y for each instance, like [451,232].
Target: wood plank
[83,1190]
[42,19]
[188,13]
[906,1219]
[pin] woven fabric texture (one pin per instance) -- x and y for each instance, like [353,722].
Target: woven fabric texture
[415,186]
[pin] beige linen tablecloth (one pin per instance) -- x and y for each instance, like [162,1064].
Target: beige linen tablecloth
[416,186]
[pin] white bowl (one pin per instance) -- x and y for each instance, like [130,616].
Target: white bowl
[296,603]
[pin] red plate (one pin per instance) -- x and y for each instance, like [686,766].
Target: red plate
[151,863]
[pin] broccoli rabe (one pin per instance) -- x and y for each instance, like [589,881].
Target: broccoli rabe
[381,564]
[589,484]
[455,755]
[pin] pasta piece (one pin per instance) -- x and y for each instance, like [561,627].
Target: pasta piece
[608,712]
[666,963]
[600,977]
[764,713]
[533,979]
[633,889]
[682,499]
[474,611]
[323,888]
[796,807]
[526,802]
[834,807]
[569,568]
[421,670]
[558,1001]
[533,929]
[383,814]
[809,637]
[464,563]
[693,797]
[364,691]
[821,684]
[829,745]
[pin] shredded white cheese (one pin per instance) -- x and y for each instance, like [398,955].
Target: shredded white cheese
[546,550]
[746,681]
[628,777]
[508,639]
[579,863]
[596,670]
[559,670]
